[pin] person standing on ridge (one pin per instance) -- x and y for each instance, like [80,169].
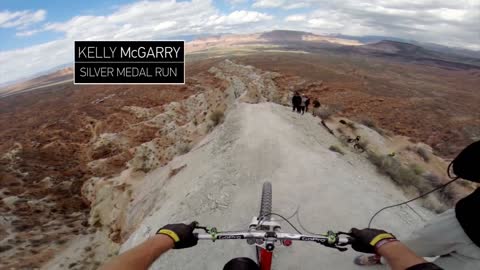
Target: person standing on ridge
[296,101]
[307,102]
[316,107]
[302,104]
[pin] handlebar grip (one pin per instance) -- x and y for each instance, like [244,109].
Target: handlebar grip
[350,240]
[345,241]
[203,236]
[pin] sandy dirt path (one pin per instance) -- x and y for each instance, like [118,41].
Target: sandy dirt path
[221,183]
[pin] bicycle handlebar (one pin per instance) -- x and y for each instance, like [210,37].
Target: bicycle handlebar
[329,240]
[263,235]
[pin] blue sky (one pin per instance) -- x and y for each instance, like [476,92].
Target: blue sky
[38,35]
[57,10]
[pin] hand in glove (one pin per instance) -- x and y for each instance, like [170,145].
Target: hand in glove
[181,234]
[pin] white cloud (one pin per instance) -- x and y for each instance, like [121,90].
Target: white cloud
[325,24]
[296,18]
[21,19]
[238,17]
[452,23]
[19,63]
[156,19]
[284,4]
[237,2]
[449,14]
[27,33]
[296,5]
[268,3]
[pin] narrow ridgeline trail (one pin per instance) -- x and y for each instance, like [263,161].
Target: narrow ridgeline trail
[220,181]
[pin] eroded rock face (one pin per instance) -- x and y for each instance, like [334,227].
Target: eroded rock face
[72,172]
[55,140]
[249,84]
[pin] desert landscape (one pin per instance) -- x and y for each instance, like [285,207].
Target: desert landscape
[77,163]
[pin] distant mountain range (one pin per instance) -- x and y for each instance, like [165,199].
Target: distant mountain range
[411,52]
[37,75]
[428,45]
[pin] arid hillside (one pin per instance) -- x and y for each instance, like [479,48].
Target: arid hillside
[429,96]
[49,140]
[428,103]
[57,77]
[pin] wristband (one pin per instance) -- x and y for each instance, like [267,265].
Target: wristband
[383,242]
[170,233]
[381,237]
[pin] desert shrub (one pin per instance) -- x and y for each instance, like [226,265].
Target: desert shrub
[446,195]
[472,131]
[209,127]
[278,98]
[405,176]
[368,122]
[183,148]
[423,153]
[467,184]
[216,117]
[417,169]
[5,248]
[326,112]
[434,179]
[175,171]
[375,159]
[351,125]
[435,204]
[401,175]
[337,149]
[363,143]
[371,124]
[414,176]
[144,160]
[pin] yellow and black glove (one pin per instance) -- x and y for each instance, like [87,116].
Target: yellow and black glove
[181,234]
[369,240]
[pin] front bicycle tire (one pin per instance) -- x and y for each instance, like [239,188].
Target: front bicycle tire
[264,258]
[266,201]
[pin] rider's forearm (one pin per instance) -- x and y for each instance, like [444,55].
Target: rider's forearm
[398,256]
[141,256]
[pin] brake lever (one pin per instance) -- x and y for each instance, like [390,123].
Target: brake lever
[212,230]
[202,228]
[333,239]
[339,248]
[351,239]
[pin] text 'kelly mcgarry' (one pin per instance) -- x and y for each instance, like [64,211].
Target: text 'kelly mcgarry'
[129,62]
[92,52]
